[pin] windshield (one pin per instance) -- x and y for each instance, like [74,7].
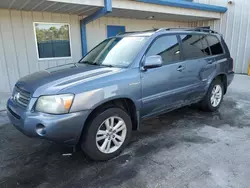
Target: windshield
[115,52]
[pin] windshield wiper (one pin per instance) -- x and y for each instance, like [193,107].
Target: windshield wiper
[89,62]
[95,63]
[108,65]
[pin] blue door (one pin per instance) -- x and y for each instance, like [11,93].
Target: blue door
[113,30]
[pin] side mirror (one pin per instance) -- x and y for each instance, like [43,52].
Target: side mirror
[153,61]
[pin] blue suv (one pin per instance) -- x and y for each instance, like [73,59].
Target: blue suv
[98,101]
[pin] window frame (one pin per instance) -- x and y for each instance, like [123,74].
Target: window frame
[52,58]
[153,41]
[223,49]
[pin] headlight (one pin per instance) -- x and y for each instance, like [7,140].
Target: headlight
[55,104]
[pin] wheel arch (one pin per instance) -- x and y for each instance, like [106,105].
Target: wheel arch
[223,78]
[124,103]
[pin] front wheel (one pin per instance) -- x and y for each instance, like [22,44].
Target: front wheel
[214,96]
[107,134]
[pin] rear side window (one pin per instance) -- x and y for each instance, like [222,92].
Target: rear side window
[214,45]
[194,46]
[167,47]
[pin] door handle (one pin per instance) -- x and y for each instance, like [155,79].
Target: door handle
[180,68]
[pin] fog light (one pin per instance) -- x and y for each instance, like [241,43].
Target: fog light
[40,130]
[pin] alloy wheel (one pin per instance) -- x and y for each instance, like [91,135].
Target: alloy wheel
[111,134]
[216,95]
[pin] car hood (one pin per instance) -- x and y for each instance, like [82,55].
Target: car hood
[53,80]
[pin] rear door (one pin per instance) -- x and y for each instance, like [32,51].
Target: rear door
[198,63]
[218,53]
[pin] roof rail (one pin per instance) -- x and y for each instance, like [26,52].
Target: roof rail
[199,29]
[173,28]
[131,32]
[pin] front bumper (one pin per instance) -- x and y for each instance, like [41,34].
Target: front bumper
[65,128]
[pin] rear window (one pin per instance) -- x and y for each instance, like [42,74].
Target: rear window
[214,45]
[194,46]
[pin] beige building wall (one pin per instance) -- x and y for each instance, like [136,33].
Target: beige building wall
[18,55]
[97,30]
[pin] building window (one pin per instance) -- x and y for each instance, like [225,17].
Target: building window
[52,40]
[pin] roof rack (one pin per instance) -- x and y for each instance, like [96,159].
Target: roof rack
[173,28]
[131,32]
[199,29]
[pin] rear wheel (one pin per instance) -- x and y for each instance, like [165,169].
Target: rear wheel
[107,134]
[212,101]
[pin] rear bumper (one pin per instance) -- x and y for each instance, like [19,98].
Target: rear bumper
[64,129]
[230,78]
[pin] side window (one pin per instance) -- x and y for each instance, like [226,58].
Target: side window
[167,47]
[215,45]
[193,46]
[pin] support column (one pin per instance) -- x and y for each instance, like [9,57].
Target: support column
[101,12]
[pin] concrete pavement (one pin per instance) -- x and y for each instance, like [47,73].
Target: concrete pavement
[3,118]
[3,100]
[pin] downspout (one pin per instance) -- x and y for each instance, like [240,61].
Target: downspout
[101,12]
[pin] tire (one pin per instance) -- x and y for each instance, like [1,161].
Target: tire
[207,102]
[93,148]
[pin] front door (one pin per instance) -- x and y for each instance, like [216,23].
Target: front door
[163,88]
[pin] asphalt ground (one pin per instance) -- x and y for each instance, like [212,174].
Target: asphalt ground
[184,148]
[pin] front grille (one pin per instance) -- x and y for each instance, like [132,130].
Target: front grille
[21,97]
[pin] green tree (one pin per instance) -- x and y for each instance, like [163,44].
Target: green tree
[52,33]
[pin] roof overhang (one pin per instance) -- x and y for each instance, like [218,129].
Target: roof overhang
[139,9]
[166,10]
[78,7]
[187,4]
